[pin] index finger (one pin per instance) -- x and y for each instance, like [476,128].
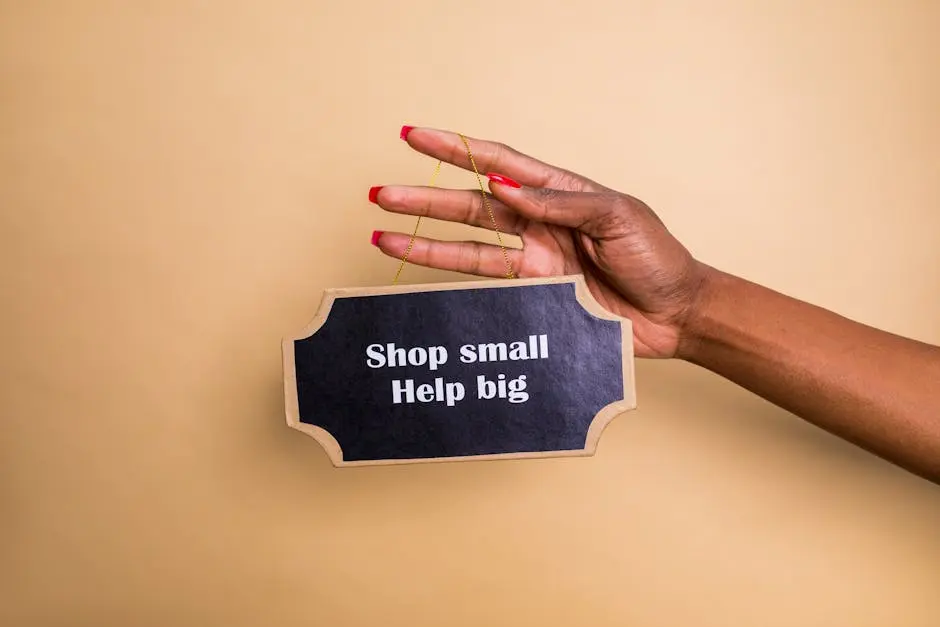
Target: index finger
[494,157]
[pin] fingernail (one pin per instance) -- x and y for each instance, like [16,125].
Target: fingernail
[404,132]
[375,237]
[374,194]
[502,180]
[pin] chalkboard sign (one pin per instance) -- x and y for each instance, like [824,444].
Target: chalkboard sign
[475,370]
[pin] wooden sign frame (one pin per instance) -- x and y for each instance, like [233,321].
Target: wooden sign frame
[584,298]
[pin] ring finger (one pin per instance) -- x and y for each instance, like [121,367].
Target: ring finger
[466,257]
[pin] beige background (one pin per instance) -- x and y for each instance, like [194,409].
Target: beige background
[179,181]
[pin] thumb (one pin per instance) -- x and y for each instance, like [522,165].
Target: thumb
[588,212]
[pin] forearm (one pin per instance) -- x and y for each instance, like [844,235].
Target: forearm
[873,388]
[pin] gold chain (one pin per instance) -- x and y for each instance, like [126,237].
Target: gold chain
[414,234]
[486,204]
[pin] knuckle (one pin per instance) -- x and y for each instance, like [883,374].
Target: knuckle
[499,155]
[622,204]
[409,200]
[476,255]
[476,209]
[424,209]
[616,218]
[431,254]
[457,152]
[544,198]
[614,223]
[501,148]
[470,258]
[465,258]
[563,179]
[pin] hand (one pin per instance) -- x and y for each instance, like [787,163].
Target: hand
[568,225]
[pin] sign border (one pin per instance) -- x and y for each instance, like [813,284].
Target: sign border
[584,298]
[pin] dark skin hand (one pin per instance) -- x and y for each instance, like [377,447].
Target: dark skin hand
[870,387]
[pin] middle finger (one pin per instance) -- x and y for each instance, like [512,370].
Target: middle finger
[452,205]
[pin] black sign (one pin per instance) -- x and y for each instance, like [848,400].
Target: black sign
[506,368]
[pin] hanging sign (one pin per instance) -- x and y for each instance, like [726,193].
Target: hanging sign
[475,370]
[478,370]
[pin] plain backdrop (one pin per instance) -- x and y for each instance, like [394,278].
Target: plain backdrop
[179,181]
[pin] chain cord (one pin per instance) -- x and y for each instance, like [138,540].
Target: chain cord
[486,204]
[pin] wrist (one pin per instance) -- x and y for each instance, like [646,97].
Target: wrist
[699,322]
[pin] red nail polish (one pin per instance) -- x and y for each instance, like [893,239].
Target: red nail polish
[404,132]
[374,194]
[503,180]
[375,237]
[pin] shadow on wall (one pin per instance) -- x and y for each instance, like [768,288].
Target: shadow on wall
[721,421]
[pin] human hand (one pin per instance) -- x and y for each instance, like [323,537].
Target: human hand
[568,224]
